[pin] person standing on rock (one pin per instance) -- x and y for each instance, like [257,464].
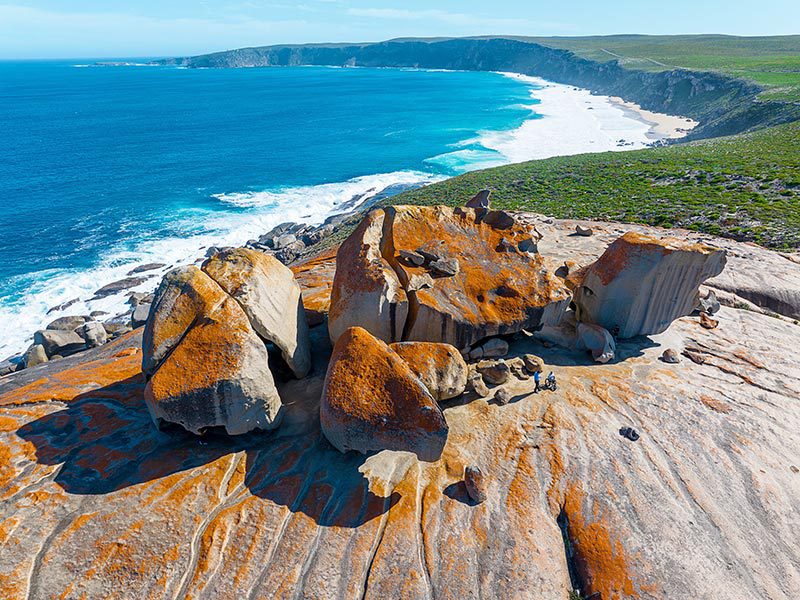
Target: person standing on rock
[536,375]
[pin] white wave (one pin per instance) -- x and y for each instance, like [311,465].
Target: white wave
[21,316]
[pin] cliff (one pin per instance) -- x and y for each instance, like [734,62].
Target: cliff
[723,105]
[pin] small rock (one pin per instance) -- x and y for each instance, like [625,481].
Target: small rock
[427,253]
[518,370]
[708,322]
[419,282]
[495,372]
[583,231]
[146,267]
[670,356]
[93,333]
[533,363]
[59,342]
[413,258]
[140,314]
[502,396]
[137,298]
[283,241]
[475,484]
[480,200]
[629,433]
[116,329]
[317,235]
[445,267]
[290,253]
[68,323]
[476,353]
[709,305]
[495,348]
[119,286]
[63,306]
[477,384]
[528,245]
[97,313]
[35,355]
[506,245]
[212,251]
[9,366]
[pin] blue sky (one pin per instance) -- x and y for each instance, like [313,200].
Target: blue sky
[116,28]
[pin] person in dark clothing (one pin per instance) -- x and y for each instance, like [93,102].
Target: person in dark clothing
[536,377]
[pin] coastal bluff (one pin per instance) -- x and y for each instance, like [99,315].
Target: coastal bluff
[671,470]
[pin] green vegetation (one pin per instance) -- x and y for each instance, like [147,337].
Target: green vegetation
[745,187]
[773,62]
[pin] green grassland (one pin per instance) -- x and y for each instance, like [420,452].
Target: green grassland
[746,187]
[773,62]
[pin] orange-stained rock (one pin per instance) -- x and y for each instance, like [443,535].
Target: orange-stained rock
[315,277]
[216,372]
[440,367]
[501,285]
[183,294]
[372,401]
[641,284]
[270,297]
[366,291]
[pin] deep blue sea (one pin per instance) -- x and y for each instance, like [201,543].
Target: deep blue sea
[103,168]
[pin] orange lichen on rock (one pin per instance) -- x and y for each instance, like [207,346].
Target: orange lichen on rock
[372,400]
[231,386]
[602,563]
[366,290]
[315,277]
[500,285]
[68,384]
[440,367]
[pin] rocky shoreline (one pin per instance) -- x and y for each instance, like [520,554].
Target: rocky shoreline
[374,420]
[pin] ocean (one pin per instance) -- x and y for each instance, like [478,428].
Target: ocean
[103,168]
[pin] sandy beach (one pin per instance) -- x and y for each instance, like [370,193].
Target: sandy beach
[662,126]
[572,120]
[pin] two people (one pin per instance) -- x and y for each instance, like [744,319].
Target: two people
[549,383]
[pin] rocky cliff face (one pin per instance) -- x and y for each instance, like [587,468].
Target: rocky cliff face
[721,104]
[96,502]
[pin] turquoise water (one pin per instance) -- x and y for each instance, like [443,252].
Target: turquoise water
[103,168]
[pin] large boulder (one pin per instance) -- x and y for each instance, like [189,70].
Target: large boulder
[366,290]
[70,323]
[497,287]
[207,367]
[596,340]
[372,401]
[440,367]
[93,333]
[270,297]
[641,284]
[59,342]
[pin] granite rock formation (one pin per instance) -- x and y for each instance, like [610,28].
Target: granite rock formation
[374,401]
[439,366]
[641,284]
[270,297]
[206,366]
[95,500]
[494,292]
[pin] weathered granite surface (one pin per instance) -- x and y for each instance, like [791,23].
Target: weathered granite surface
[97,503]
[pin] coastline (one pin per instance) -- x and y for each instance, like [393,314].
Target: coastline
[564,120]
[662,126]
[591,123]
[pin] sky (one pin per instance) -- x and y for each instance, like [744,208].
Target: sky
[148,28]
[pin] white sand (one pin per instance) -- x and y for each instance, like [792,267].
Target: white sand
[575,121]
